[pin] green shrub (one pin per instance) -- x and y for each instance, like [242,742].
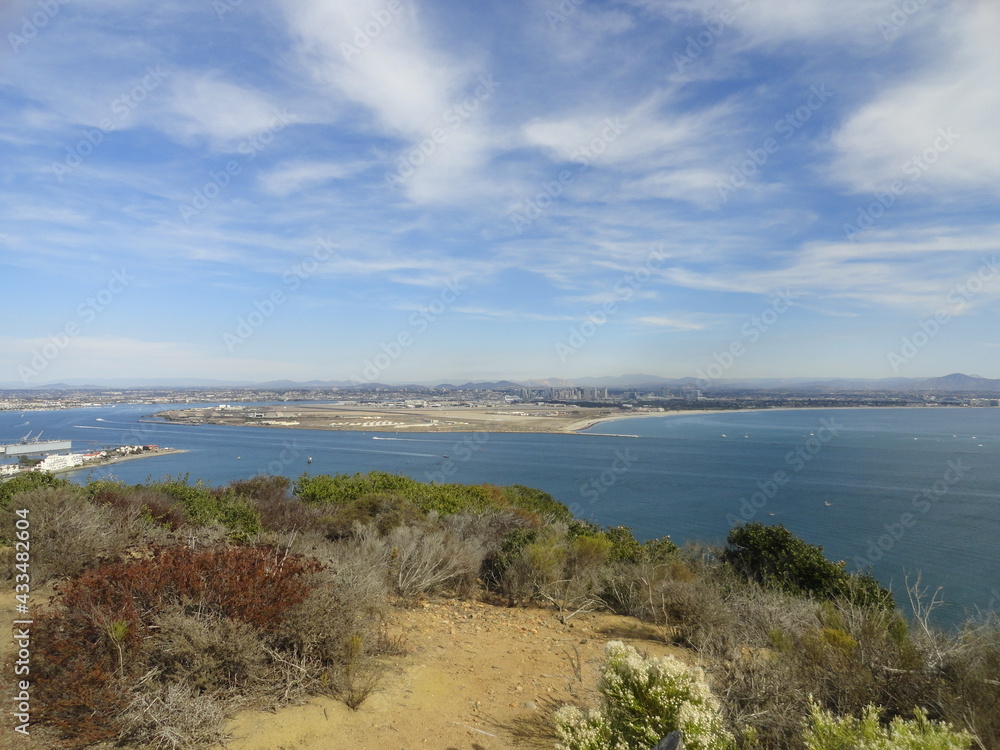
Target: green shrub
[537,502]
[197,500]
[341,489]
[643,700]
[204,506]
[239,516]
[826,732]
[445,499]
[774,557]
[658,551]
[624,547]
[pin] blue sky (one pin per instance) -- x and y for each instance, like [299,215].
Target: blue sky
[401,190]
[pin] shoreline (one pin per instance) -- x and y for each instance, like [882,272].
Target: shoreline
[112,461]
[699,412]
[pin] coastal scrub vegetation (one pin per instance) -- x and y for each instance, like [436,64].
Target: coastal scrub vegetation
[175,603]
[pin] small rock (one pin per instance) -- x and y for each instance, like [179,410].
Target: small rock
[531,705]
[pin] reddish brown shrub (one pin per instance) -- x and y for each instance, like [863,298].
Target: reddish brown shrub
[91,642]
[75,679]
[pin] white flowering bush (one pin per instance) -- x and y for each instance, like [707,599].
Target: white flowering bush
[643,700]
[827,732]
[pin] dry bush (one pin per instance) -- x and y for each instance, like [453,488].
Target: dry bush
[70,534]
[889,666]
[286,515]
[173,718]
[489,526]
[762,701]
[337,633]
[970,691]
[528,561]
[689,609]
[786,648]
[262,488]
[361,564]
[692,611]
[428,560]
[382,510]
[755,672]
[764,618]
[627,588]
[207,654]
[577,562]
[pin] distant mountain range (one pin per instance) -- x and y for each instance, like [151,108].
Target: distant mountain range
[954,383]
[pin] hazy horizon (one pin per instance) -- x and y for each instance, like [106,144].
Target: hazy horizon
[610,381]
[387,190]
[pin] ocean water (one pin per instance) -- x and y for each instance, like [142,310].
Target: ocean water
[896,491]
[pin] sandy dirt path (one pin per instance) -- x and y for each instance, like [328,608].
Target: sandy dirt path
[476,677]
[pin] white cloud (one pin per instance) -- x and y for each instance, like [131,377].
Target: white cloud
[377,58]
[644,131]
[294,177]
[673,324]
[203,106]
[511,315]
[912,270]
[771,22]
[654,150]
[878,143]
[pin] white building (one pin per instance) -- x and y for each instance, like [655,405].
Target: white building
[55,462]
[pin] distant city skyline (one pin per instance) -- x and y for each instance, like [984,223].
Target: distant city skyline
[396,191]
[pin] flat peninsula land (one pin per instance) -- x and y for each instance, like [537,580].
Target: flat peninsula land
[548,418]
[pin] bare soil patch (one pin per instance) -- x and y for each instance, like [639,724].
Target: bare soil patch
[475,677]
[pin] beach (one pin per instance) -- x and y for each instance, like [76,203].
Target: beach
[118,459]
